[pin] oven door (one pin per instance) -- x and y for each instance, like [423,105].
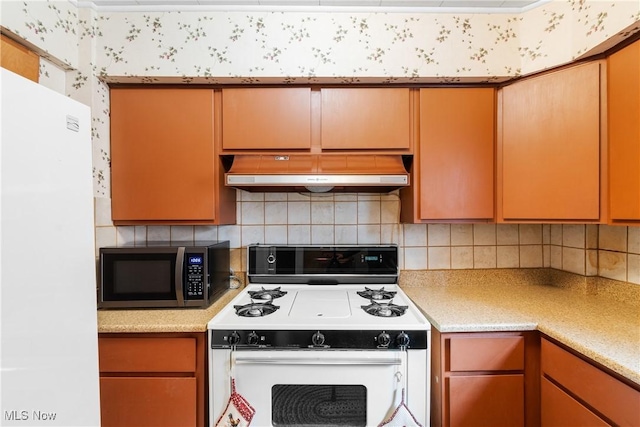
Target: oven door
[318,387]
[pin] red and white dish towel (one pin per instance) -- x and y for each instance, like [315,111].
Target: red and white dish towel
[238,412]
[401,416]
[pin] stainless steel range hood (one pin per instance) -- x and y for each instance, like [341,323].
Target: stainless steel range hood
[318,173]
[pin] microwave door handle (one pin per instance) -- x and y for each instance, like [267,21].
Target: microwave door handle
[179,276]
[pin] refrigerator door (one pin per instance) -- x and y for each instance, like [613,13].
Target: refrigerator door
[48,320]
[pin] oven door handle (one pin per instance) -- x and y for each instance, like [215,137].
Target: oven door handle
[316,360]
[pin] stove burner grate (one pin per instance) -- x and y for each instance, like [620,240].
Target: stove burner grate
[385,310]
[267,294]
[255,309]
[376,294]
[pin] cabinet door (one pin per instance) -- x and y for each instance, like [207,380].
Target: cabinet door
[365,118]
[162,154]
[605,394]
[457,153]
[18,59]
[486,400]
[549,152]
[558,409]
[266,118]
[148,401]
[623,87]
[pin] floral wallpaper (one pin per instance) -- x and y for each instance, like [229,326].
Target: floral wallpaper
[352,47]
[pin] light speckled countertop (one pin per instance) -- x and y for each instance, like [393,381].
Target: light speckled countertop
[160,320]
[602,329]
[596,325]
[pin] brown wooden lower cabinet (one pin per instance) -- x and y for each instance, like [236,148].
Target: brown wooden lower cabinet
[486,400]
[485,379]
[154,380]
[561,410]
[153,402]
[577,392]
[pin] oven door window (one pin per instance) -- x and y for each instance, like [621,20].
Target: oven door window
[139,277]
[318,405]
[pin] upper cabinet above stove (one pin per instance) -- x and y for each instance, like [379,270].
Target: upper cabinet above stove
[266,119]
[366,119]
[316,120]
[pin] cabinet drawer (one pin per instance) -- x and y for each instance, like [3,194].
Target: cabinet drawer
[558,409]
[607,395]
[147,354]
[486,353]
[486,400]
[152,402]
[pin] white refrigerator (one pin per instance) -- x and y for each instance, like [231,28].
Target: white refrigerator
[48,320]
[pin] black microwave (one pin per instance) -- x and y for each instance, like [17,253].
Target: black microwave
[163,275]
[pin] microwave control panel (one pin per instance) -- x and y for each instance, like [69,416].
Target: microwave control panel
[194,280]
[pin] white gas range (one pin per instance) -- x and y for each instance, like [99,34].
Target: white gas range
[321,336]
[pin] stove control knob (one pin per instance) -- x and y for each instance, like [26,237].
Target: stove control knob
[233,338]
[317,338]
[271,258]
[384,339]
[253,338]
[402,340]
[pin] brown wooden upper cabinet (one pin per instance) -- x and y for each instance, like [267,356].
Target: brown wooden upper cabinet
[366,119]
[623,85]
[549,145]
[456,154]
[266,118]
[163,165]
[19,59]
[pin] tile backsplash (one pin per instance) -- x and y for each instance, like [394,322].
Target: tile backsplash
[612,252]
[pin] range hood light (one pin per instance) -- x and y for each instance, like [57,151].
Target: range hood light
[322,189]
